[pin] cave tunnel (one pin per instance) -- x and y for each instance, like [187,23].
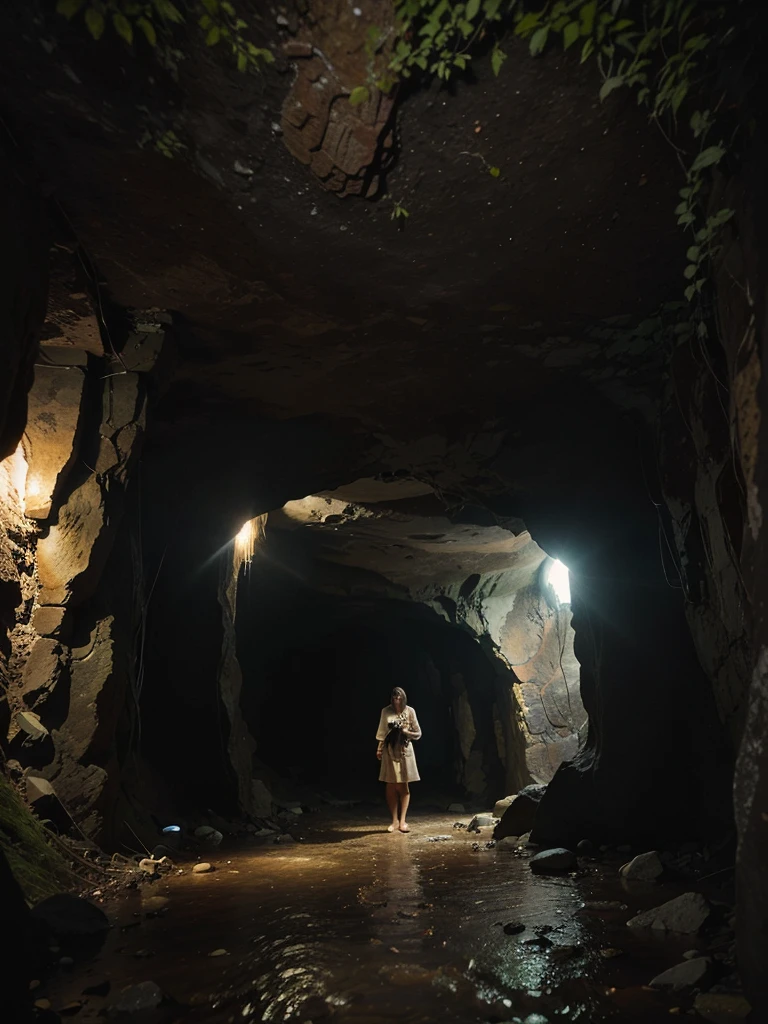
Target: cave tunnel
[346,347]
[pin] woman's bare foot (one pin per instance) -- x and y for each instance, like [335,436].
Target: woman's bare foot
[404,827]
[392,827]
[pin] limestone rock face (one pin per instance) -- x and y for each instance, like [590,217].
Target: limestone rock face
[50,621]
[42,671]
[66,558]
[50,442]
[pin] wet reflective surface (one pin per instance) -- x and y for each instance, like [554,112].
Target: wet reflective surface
[362,926]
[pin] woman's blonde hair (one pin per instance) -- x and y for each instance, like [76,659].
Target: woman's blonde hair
[398,691]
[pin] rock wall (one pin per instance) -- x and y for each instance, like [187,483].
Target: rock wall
[518,621]
[68,658]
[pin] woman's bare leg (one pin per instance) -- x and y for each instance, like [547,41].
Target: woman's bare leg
[392,803]
[405,799]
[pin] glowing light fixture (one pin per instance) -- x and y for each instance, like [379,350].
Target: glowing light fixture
[172,828]
[245,542]
[557,578]
[13,479]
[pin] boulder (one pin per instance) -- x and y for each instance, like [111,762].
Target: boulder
[643,868]
[500,806]
[520,816]
[684,977]
[722,1007]
[553,862]
[456,809]
[684,914]
[70,917]
[209,835]
[145,996]
[508,843]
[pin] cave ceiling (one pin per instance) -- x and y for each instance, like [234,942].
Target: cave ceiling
[494,295]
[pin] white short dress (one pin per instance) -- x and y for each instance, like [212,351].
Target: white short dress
[398,761]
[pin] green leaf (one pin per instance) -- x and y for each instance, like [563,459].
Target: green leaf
[497,59]
[587,17]
[242,61]
[694,253]
[708,158]
[609,85]
[570,34]
[69,8]
[148,29]
[227,7]
[686,219]
[494,171]
[587,50]
[213,36]
[123,27]
[527,23]
[690,271]
[491,9]
[720,218]
[359,94]
[678,96]
[95,21]
[538,40]
[690,291]
[472,9]
[212,6]
[169,11]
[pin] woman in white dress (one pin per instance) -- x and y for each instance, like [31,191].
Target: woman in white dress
[398,727]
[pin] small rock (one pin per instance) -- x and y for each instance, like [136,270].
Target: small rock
[456,809]
[481,821]
[524,839]
[508,843]
[42,1004]
[514,928]
[244,169]
[683,977]
[552,861]
[685,914]
[722,1007]
[643,868]
[66,961]
[202,867]
[610,952]
[690,954]
[219,952]
[285,839]
[30,723]
[144,996]
[585,847]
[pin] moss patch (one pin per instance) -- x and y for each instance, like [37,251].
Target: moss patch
[39,869]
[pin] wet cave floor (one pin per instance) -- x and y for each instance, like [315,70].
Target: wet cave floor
[359,925]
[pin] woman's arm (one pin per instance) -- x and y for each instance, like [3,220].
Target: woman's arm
[413,732]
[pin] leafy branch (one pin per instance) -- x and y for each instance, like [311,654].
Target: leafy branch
[218,19]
